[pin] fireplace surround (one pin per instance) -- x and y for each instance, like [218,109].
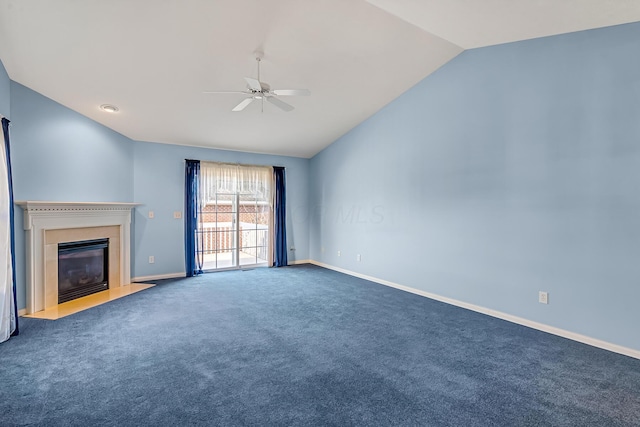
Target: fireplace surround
[47,224]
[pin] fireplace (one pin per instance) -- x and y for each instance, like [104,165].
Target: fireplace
[48,224]
[83,268]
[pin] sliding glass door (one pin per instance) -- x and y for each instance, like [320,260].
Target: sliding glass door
[235,220]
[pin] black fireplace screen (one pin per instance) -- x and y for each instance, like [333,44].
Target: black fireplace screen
[83,268]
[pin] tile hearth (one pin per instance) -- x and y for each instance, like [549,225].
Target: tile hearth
[77,305]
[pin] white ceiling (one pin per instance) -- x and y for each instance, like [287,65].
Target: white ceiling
[153,58]
[477,23]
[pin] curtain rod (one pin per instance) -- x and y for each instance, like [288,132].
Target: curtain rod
[236,164]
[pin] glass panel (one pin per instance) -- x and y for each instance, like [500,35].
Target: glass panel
[210,261]
[253,225]
[262,214]
[248,239]
[225,259]
[218,231]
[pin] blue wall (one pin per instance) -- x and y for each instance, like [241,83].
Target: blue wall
[58,154]
[512,169]
[159,185]
[5,92]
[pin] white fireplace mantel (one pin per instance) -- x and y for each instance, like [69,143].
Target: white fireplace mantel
[40,217]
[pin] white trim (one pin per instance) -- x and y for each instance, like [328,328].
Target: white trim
[158,277]
[47,206]
[22,312]
[302,261]
[494,313]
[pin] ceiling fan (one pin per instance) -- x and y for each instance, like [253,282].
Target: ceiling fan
[259,91]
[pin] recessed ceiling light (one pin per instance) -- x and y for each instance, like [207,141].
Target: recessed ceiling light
[109,108]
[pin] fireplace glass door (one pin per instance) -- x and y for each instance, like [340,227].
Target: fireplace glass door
[83,268]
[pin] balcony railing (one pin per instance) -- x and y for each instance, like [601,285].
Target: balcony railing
[218,239]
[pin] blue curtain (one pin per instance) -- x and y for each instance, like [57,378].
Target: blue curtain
[5,132]
[280,245]
[192,238]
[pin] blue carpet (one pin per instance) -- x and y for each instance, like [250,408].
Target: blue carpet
[303,346]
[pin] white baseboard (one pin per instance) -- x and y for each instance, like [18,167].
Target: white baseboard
[158,277]
[22,312]
[494,313]
[302,261]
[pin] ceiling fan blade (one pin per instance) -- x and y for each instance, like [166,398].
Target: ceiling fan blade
[292,92]
[280,104]
[243,104]
[227,91]
[253,84]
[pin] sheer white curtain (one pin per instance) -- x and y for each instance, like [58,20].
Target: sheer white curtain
[226,178]
[7,314]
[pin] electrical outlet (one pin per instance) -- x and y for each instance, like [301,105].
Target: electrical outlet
[543,297]
[359,257]
[151,215]
[177,214]
[152,259]
[338,253]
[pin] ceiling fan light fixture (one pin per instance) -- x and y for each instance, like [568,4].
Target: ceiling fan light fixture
[109,108]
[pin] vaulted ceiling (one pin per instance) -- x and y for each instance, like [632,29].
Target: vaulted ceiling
[154,58]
